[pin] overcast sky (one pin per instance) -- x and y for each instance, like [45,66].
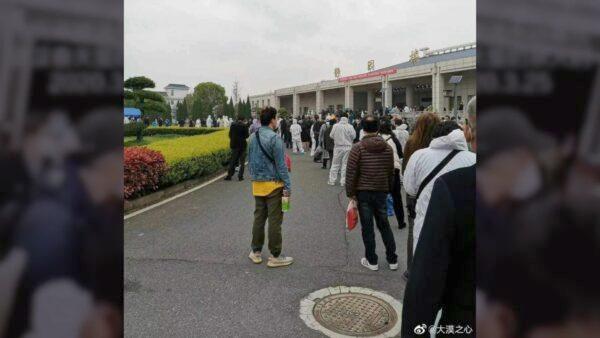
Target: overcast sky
[271,44]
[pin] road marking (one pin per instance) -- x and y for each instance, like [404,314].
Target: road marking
[150,207]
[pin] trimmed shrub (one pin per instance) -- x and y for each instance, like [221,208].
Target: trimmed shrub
[194,156]
[134,129]
[179,131]
[143,170]
[130,130]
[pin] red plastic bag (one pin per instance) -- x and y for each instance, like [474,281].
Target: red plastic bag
[288,162]
[351,215]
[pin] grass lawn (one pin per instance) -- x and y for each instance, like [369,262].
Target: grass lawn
[130,141]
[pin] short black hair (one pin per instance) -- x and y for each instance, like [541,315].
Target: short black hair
[240,118]
[344,115]
[267,115]
[444,128]
[370,124]
[385,126]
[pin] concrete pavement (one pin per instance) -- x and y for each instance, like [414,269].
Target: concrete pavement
[187,273]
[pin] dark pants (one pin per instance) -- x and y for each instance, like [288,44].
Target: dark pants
[373,204]
[328,159]
[268,207]
[238,156]
[397,197]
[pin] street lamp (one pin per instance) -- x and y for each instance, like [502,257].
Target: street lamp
[455,80]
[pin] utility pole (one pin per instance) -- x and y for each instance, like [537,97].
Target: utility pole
[235,94]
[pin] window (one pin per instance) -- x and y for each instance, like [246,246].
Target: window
[269,102]
[262,103]
[172,92]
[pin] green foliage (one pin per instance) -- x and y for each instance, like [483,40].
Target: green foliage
[179,131]
[130,130]
[283,113]
[153,110]
[197,110]
[209,98]
[152,104]
[194,156]
[138,83]
[181,111]
[150,95]
[134,129]
[230,110]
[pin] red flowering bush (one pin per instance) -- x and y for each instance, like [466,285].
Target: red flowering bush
[143,170]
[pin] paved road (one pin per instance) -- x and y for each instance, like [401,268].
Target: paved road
[187,273]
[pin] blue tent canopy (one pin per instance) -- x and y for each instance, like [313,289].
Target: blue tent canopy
[134,112]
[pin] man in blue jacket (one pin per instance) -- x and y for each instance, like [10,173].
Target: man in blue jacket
[270,182]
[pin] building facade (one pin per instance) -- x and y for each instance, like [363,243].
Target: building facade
[419,83]
[174,94]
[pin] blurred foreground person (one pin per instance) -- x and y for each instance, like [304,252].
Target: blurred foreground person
[369,179]
[70,230]
[442,274]
[270,182]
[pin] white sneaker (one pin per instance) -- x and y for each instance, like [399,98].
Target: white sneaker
[394,267]
[364,262]
[275,262]
[330,183]
[255,257]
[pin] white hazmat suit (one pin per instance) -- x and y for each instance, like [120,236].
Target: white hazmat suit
[296,131]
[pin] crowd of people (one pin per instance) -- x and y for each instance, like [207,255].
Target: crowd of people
[426,170]
[209,122]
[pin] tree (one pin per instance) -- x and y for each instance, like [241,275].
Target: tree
[230,108]
[138,83]
[210,97]
[152,104]
[283,113]
[182,111]
[197,111]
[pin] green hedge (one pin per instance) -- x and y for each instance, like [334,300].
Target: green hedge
[179,131]
[195,167]
[130,130]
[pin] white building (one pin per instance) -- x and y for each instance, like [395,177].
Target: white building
[418,83]
[174,94]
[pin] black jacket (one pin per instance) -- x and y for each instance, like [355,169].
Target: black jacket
[442,274]
[238,133]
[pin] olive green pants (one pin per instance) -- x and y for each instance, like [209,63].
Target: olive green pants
[268,207]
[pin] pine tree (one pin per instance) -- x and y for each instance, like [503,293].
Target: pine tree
[230,110]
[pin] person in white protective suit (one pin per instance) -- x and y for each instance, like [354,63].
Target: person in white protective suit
[343,135]
[198,123]
[209,122]
[296,131]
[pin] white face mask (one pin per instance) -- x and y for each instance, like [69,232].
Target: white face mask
[527,183]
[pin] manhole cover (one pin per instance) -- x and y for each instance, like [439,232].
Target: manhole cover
[352,311]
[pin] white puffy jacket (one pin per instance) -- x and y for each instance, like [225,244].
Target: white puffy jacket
[423,161]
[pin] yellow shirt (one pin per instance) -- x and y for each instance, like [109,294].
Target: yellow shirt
[265,188]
